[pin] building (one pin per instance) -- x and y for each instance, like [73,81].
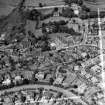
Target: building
[76,68]
[6,82]
[96,69]
[40,75]
[59,79]
[82,88]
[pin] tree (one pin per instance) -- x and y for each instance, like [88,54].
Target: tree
[55,9]
[93,14]
[84,8]
[59,94]
[25,81]
[68,12]
[102,14]
[40,5]
[23,98]
[34,15]
[51,81]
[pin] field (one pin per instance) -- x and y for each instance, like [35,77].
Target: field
[6,6]
[94,6]
[47,2]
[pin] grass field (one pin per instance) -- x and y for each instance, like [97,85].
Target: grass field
[6,6]
[47,2]
[99,4]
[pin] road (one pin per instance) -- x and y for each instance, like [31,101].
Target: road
[66,92]
[47,7]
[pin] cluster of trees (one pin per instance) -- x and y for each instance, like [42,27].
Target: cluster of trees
[60,27]
[53,26]
[85,8]
[26,81]
[92,14]
[68,12]
[85,15]
[39,42]
[34,15]
[70,31]
[69,2]
[22,82]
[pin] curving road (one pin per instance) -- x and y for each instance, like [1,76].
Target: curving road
[66,92]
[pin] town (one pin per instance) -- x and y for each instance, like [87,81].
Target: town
[51,53]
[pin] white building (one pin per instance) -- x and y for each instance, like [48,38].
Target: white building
[59,80]
[40,75]
[6,82]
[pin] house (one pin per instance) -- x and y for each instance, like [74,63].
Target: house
[56,13]
[82,88]
[69,79]
[94,80]
[96,69]
[40,75]
[83,54]
[50,28]
[27,74]
[2,37]
[53,45]
[88,76]
[76,68]
[76,8]
[83,72]
[7,82]
[17,79]
[59,79]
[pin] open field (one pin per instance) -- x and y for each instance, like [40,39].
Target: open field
[6,6]
[33,2]
[47,2]
[99,4]
[4,11]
